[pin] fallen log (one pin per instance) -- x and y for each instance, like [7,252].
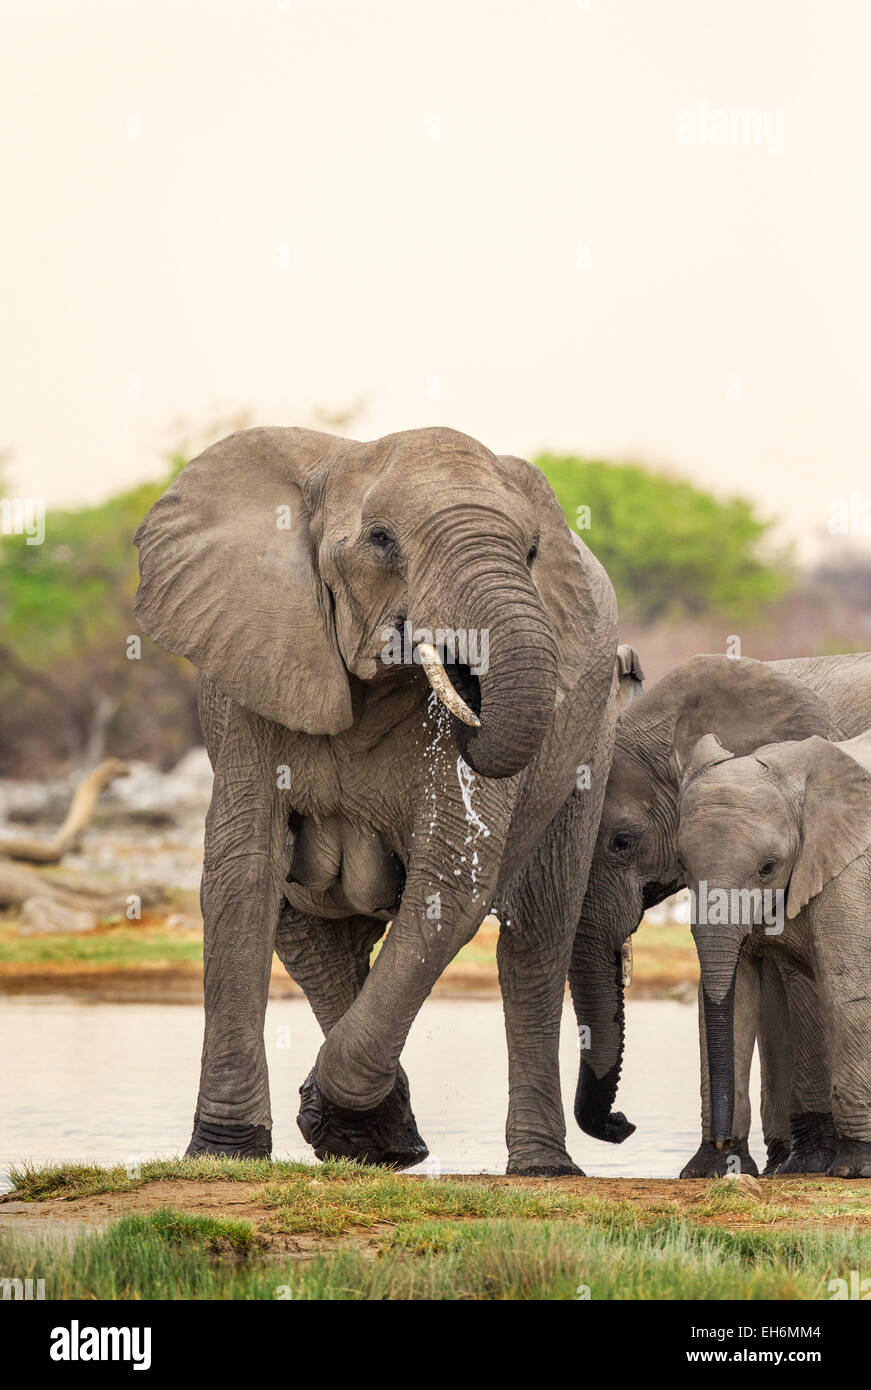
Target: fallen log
[82,807]
[18,883]
[48,902]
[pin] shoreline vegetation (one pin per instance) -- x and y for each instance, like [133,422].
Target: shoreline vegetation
[160,958]
[256,1229]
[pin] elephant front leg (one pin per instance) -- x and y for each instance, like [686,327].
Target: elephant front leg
[233,1115]
[241,893]
[330,962]
[708,1161]
[355,1101]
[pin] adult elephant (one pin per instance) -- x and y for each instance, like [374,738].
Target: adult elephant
[325,589]
[745,703]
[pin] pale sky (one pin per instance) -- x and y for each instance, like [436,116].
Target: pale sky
[244,204]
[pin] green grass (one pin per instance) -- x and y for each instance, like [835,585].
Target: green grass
[362,1197]
[125,946]
[128,947]
[383,1235]
[327,1198]
[723,1197]
[35,1184]
[665,952]
[168,1255]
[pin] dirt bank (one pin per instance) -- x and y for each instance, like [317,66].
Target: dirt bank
[775,1204]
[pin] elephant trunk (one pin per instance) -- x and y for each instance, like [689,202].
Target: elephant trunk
[597,981]
[501,660]
[718,950]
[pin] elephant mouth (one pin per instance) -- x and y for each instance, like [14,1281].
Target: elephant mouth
[654,892]
[466,684]
[453,683]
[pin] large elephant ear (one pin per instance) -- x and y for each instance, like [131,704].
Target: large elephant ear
[746,703]
[835,813]
[573,586]
[229,577]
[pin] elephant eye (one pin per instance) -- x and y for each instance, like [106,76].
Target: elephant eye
[767,869]
[532,552]
[381,538]
[621,843]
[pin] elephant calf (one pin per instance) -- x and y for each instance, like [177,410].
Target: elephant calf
[746,703]
[777,845]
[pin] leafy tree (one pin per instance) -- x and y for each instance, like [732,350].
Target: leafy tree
[670,547]
[65,619]
[67,684]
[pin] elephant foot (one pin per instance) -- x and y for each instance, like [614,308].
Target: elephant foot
[852,1159]
[814,1143]
[778,1153]
[386,1135]
[229,1140]
[710,1162]
[545,1170]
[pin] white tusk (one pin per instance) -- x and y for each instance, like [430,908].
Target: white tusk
[626,962]
[441,684]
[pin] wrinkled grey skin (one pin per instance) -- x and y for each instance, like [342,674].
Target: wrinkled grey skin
[275,562]
[746,703]
[794,820]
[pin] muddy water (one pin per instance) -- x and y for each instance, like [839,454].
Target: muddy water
[116,1082]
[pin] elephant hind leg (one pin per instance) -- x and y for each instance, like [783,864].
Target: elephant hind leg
[539,912]
[775,1042]
[812,1128]
[328,959]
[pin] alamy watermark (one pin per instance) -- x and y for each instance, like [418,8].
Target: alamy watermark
[23,1289]
[731,125]
[23,516]
[465,646]
[739,907]
[77,1343]
[850,515]
[854,1288]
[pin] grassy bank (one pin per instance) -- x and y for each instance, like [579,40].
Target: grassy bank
[222,1229]
[153,954]
[170,1255]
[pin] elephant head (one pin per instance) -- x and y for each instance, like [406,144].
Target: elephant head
[635,860]
[758,837]
[291,566]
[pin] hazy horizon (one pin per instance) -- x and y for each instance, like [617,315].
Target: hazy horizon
[488,217]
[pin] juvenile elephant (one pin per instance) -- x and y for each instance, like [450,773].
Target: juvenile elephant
[339,598]
[787,827]
[746,703]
